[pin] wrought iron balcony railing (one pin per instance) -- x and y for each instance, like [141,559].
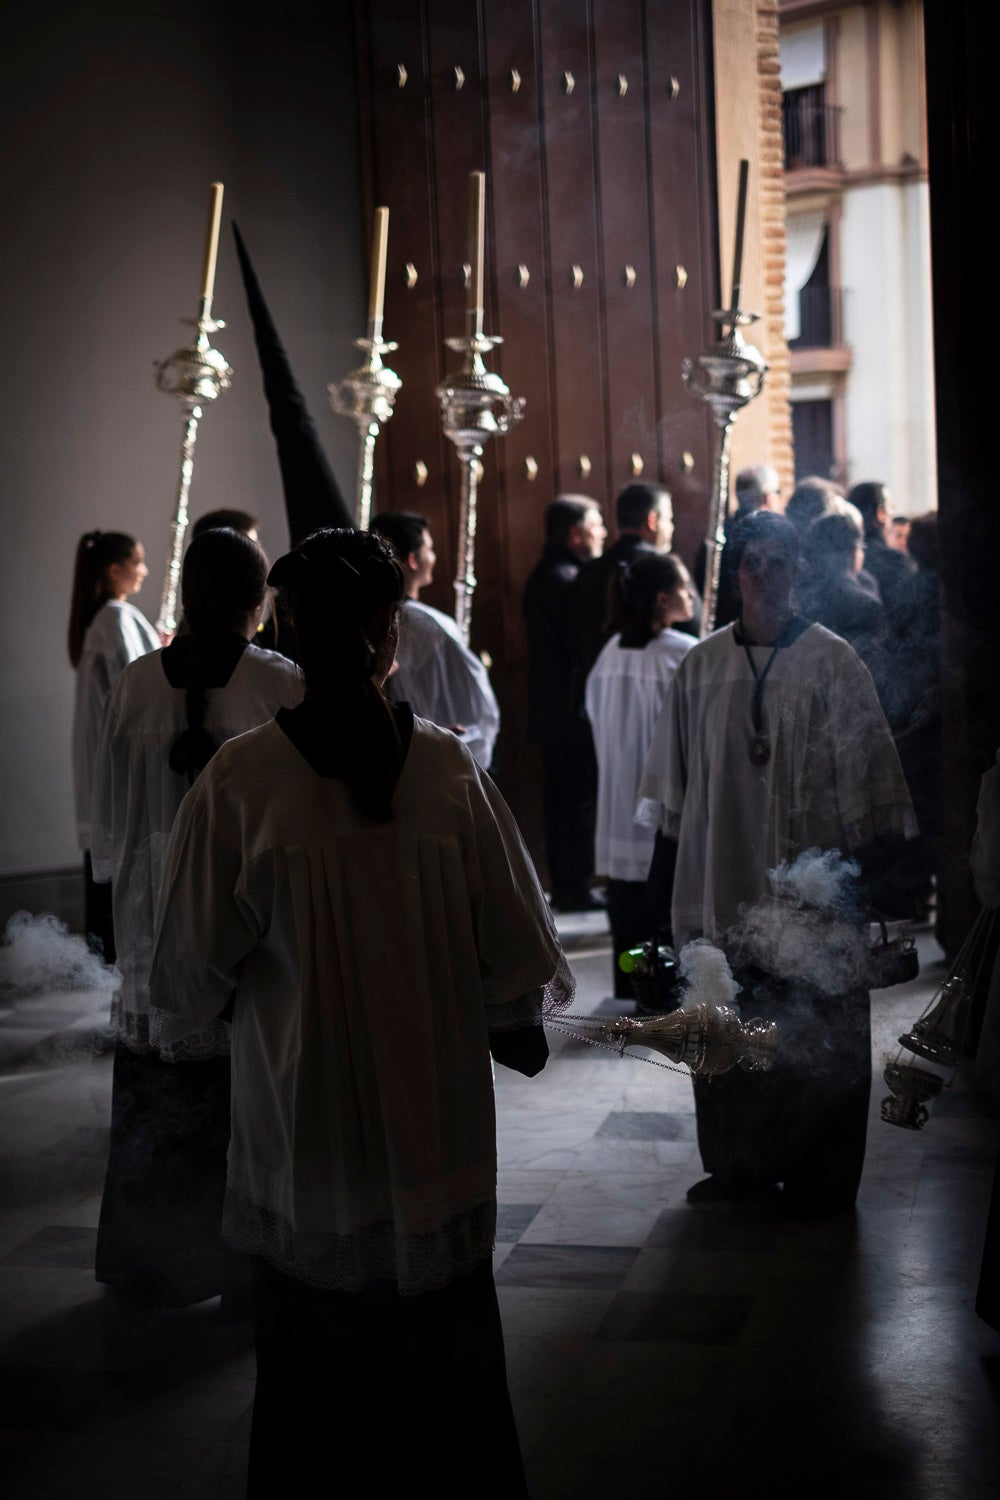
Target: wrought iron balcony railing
[812,130]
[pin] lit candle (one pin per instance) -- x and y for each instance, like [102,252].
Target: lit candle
[741,221]
[477,232]
[376,286]
[212,242]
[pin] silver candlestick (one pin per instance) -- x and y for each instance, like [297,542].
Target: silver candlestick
[367,396]
[196,375]
[476,405]
[727,376]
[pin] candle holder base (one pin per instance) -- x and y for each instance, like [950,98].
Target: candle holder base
[196,375]
[728,376]
[476,405]
[367,395]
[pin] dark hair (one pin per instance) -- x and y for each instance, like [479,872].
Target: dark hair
[403,528]
[229,520]
[830,543]
[635,591]
[96,552]
[223,580]
[562,514]
[922,543]
[337,583]
[870,496]
[812,497]
[635,503]
[762,525]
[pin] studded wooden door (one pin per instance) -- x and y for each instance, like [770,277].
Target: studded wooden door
[592,120]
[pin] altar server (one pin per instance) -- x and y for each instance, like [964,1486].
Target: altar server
[771,743]
[625,692]
[376,928]
[160,1232]
[437,674]
[106,632]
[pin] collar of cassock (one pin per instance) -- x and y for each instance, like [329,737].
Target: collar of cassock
[205,661]
[788,636]
[318,734]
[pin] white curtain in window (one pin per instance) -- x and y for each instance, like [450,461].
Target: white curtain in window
[803,57]
[804,241]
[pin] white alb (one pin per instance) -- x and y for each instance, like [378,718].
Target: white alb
[117,635]
[136,797]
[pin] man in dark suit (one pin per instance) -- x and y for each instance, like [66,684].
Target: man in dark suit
[574,536]
[890,569]
[757,488]
[645,524]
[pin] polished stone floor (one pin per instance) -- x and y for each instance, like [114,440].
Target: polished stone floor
[654,1349]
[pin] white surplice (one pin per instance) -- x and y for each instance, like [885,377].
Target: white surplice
[626,690]
[442,680]
[118,634]
[136,797]
[833,780]
[366,962]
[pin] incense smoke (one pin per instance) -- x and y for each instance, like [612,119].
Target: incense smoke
[41,954]
[809,928]
[708,979]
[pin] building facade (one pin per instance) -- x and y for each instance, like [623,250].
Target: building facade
[857,287]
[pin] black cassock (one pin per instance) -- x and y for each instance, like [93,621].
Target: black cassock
[804,1123]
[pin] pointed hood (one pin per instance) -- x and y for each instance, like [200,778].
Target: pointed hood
[313,497]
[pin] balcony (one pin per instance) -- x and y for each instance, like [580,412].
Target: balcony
[811,129]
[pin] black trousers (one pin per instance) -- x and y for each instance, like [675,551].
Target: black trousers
[97,921]
[632,912]
[569,795]
[988,1291]
[408,1392]
[805,1123]
[159,1239]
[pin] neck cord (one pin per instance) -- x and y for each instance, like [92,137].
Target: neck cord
[760,750]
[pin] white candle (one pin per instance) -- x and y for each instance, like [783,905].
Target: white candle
[477,235]
[212,242]
[376,286]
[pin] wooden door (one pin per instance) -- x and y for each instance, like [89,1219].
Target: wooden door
[592,120]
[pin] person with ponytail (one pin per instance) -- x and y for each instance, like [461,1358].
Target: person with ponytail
[626,689]
[106,632]
[375,928]
[159,1239]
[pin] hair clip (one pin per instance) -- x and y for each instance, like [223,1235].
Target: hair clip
[348,565]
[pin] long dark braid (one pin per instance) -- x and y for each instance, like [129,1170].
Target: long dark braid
[340,586]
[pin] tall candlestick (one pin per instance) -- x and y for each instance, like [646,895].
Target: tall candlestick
[212,243]
[477,235]
[376,289]
[741,221]
[367,394]
[196,375]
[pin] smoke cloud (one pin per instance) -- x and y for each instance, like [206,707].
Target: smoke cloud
[40,954]
[809,927]
[708,979]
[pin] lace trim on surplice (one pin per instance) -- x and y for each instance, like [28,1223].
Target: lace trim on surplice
[416,1263]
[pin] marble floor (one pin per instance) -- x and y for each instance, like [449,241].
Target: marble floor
[654,1349]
